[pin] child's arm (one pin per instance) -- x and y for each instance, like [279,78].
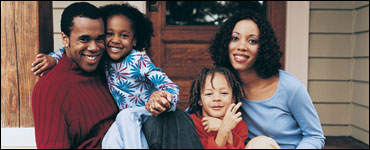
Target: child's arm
[230,120]
[44,63]
[160,80]
[211,124]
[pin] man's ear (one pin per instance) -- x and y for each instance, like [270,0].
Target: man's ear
[65,40]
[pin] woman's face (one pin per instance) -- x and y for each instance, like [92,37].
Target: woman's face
[119,38]
[216,96]
[244,44]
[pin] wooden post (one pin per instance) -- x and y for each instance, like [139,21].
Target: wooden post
[26,30]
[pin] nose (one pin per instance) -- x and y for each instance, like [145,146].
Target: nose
[115,40]
[216,97]
[93,46]
[242,45]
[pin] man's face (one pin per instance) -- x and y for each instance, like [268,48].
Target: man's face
[85,46]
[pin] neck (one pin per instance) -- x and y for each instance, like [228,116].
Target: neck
[249,77]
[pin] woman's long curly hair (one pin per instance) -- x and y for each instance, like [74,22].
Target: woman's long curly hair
[141,24]
[267,63]
[197,87]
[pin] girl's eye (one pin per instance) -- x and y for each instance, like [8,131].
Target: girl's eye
[109,34]
[224,93]
[125,35]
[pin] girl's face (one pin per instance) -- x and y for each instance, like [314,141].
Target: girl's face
[217,98]
[243,47]
[119,37]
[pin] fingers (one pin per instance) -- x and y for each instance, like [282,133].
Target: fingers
[236,107]
[36,70]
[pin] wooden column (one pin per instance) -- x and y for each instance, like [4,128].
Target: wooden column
[26,30]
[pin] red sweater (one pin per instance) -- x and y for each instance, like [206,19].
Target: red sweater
[71,108]
[240,134]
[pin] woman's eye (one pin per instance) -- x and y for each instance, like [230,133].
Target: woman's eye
[234,38]
[253,41]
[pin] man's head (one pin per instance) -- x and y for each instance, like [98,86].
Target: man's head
[83,34]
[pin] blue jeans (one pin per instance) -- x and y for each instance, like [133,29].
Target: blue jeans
[126,131]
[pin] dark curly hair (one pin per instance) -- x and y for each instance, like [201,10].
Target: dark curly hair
[79,9]
[141,25]
[197,87]
[267,63]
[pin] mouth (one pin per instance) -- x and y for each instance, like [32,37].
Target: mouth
[90,59]
[115,49]
[217,107]
[241,58]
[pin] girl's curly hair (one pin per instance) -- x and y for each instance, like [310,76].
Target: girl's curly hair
[197,87]
[141,24]
[267,63]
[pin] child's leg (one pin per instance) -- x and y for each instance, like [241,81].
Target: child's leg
[126,131]
[262,142]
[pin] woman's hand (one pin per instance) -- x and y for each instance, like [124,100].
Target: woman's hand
[158,102]
[211,124]
[42,64]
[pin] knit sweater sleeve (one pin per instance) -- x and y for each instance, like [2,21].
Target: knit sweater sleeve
[50,118]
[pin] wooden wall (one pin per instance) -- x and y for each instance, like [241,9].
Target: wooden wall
[26,30]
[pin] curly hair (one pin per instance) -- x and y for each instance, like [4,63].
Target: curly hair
[141,24]
[267,63]
[79,9]
[197,87]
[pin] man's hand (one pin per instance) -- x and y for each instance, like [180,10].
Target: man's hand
[158,102]
[43,64]
[211,124]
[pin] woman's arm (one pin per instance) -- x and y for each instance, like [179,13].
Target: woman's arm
[308,120]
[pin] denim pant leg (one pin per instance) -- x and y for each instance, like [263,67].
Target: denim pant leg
[126,131]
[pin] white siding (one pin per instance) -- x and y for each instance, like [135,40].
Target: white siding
[339,67]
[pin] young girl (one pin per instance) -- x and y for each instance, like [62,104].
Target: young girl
[276,104]
[132,78]
[214,102]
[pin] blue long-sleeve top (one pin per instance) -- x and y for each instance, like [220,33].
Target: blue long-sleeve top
[288,117]
[132,80]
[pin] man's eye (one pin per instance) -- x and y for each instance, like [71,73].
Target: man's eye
[84,40]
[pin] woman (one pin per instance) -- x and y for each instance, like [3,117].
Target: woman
[276,104]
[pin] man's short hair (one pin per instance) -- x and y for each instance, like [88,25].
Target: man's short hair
[79,9]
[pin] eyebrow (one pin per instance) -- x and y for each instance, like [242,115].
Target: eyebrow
[248,35]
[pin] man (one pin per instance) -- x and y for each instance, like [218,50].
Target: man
[72,107]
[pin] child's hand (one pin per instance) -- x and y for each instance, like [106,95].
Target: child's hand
[211,124]
[231,118]
[42,64]
[158,102]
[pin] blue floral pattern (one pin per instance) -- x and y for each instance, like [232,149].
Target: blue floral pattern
[133,80]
